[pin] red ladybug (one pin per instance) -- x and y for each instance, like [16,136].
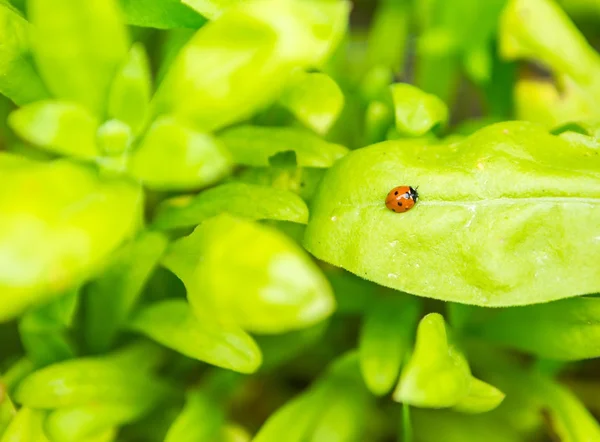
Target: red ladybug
[401,198]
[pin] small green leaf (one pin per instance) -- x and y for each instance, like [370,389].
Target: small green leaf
[78,382]
[437,374]
[173,324]
[248,50]
[76,424]
[19,80]
[200,420]
[129,99]
[417,112]
[482,397]
[240,199]
[58,223]
[250,275]
[315,99]
[254,145]
[26,426]
[172,156]
[563,330]
[114,139]
[386,340]
[78,47]
[112,297]
[161,14]
[545,249]
[60,127]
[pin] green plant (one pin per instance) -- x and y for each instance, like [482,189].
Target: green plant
[179,179]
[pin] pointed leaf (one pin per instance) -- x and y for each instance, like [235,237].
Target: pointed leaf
[251,275]
[458,242]
[129,98]
[437,374]
[78,47]
[60,127]
[254,145]
[172,156]
[173,324]
[240,199]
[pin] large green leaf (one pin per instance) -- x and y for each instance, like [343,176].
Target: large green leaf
[250,275]
[78,47]
[19,80]
[58,222]
[507,216]
[239,63]
[173,324]
[241,199]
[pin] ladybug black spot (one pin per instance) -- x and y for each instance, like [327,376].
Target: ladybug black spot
[396,192]
[400,204]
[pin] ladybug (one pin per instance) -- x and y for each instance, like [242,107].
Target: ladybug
[401,199]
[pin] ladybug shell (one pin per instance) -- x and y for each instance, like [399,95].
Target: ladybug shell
[401,199]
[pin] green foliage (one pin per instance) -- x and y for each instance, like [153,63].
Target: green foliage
[195,243]
[510,214]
